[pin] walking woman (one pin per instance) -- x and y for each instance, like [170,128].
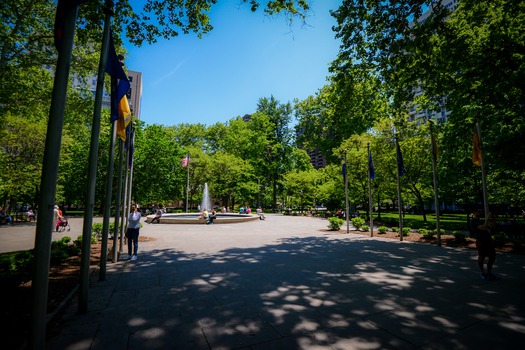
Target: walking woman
[132,233]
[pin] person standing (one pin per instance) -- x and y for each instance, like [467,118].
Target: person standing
[485,247]
[57,217]
[132,233]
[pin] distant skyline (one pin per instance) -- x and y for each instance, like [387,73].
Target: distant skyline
[247,56]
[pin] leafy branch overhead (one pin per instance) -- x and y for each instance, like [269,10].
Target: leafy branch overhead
[169,18]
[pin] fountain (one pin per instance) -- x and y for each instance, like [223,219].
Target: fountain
[206,200]
[193,218]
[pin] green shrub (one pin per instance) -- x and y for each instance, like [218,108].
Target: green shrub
[358,222]
[23,261]
[499,238]
[78,242]
[459,236]
[62,249]
[395,229]
[440,230]
[96,230]
[365,228]
[334,223]
[7,263]
[382,229]
[406,231]
[428,234]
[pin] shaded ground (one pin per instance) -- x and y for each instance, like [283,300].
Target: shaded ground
[447,241]
[17,297]
[16,292]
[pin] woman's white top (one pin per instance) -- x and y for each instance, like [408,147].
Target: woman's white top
[134,219]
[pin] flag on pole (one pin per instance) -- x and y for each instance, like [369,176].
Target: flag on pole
[476,149]
[124,118]
[115,70]
[343,171]
[63,7]
[185,161]
[371,165]
[400,165]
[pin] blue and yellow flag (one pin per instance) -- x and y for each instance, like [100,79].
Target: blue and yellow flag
[124,118]
[115,70]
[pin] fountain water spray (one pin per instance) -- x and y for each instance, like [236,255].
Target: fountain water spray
[206,200]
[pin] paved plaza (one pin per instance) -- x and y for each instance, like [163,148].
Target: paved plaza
[287,283]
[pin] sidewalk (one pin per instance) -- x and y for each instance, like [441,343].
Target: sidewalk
[285,283]
[21,236]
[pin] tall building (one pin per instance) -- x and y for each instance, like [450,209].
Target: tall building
[135,92]
[316,158]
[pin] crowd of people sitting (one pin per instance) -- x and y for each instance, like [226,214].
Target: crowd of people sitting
[22,213]
[210,215]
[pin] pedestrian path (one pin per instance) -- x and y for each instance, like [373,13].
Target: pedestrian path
[287,283]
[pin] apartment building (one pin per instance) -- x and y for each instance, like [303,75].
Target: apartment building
[134,94]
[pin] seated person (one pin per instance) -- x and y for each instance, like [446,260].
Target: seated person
[260,213]
[157,217]
[5,217]
[212,217]
[31,215]
[205,215]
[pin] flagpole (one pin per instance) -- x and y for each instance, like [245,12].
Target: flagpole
[347,206]
[130,166]
[92,167]
[116,237]
[434,173]
[187,184]
[119,87]
[48,184]
[124,194]
[107,202]
[370,203]
[483,176]
[399,202]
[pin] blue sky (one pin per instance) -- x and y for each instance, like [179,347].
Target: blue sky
[246,57]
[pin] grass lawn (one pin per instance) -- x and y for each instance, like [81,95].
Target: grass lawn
[449,222]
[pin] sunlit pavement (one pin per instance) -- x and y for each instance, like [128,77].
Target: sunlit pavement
[286,283]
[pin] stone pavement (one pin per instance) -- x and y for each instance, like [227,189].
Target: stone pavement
[286,283]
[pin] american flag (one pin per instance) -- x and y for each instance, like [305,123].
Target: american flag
[185,161]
